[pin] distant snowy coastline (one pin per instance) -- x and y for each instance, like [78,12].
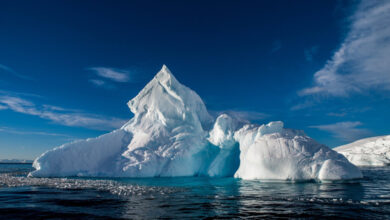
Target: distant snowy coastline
[15,161]
[373,151]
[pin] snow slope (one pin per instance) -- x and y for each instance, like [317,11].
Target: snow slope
[374,151]
[172,134]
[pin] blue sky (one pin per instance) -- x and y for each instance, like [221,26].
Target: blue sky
[67,68]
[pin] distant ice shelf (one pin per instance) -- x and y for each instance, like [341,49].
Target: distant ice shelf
[15,161]
[172,134]
[374,151]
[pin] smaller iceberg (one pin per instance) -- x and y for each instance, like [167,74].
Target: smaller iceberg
[274,153]
[374,151]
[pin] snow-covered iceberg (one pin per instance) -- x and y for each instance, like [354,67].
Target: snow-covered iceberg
[374,151]
[172,134]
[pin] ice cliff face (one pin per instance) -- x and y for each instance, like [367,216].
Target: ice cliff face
[373,151]
[172,134]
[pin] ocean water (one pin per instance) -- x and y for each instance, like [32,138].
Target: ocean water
[195,197]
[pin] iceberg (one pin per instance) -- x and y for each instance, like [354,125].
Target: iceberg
[272,152]
[374,151]
[172,134]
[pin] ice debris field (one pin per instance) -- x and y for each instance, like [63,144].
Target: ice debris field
[172,134]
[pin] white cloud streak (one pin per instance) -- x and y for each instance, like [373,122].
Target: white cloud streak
[97,82]
[102,83]
[14,131]
[6,68]
[13,72]
[309,53]
[60,115]
[347,131]
[303,105]
[113,74]
[337,114]
[362,62]
[277,45]
[12,93]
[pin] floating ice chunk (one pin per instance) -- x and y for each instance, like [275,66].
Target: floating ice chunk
[273,153]
[373,151]
[111,186]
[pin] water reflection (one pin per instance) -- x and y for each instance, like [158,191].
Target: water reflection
[228,198]
[197,197]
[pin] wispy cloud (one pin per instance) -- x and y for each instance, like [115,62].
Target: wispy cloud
[60,115]
[102,83]
[23,132]
[347,131]
[276,45]
[7,69]
[310,52]
[117,75]
[349,111]
[303,105]
[97,82]
[13,93]
[337,114]
[362,61]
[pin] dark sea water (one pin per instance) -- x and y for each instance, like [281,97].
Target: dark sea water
[195,197]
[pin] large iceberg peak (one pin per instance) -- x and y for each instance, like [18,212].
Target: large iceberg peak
[165,76]
[165,100]
[163,80]
[169,128]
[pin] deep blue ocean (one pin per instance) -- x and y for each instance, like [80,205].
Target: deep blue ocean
[195,197]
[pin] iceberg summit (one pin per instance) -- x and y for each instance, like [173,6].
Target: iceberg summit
[172,134]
